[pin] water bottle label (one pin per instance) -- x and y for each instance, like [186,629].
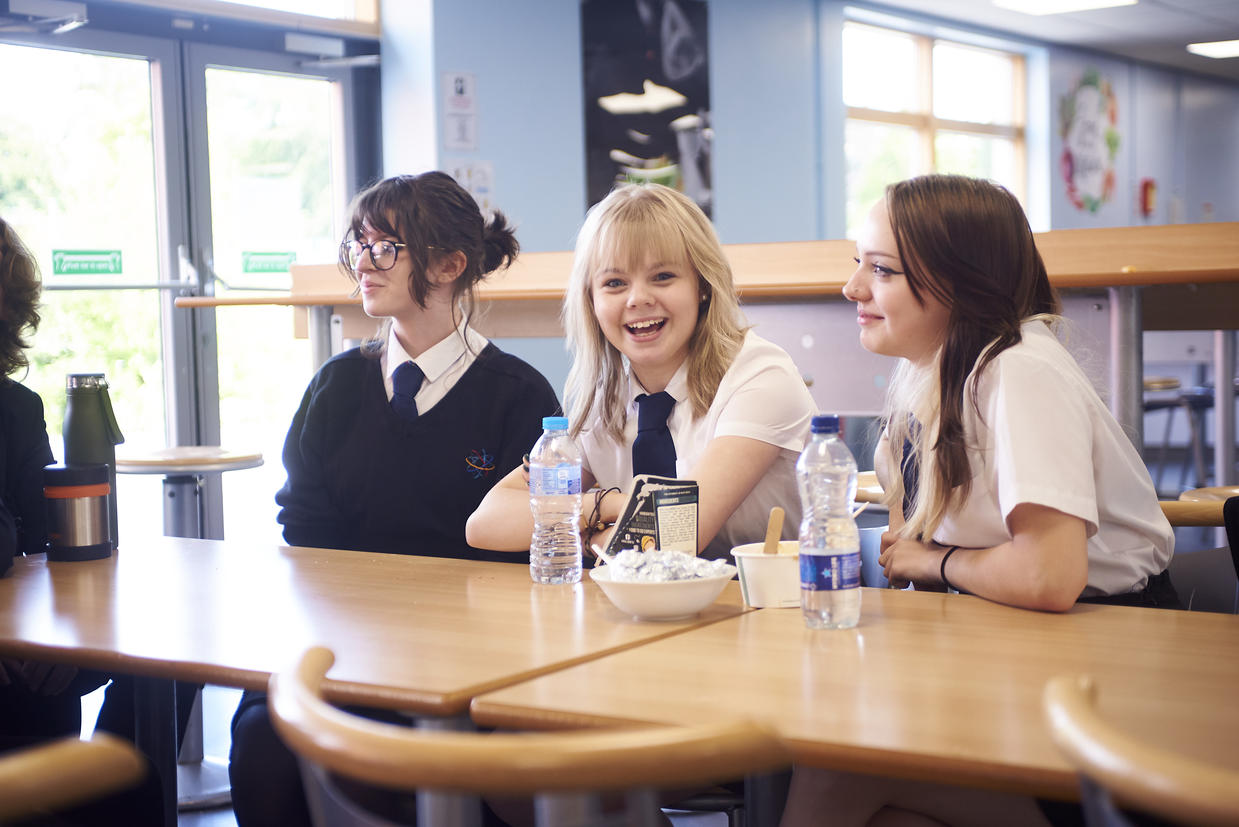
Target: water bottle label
[555,480]
[829,572]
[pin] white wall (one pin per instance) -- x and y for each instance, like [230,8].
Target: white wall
[1211,145]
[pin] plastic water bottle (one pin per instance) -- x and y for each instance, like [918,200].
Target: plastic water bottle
[555,499]
[829,540]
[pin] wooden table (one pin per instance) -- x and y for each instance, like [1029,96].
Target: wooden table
[412,633]
[929,686]
[183,467]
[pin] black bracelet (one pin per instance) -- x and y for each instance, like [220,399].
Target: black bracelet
[942,568]
[595,523]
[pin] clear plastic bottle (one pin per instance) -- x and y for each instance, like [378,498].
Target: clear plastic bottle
[555,500]
[829,540]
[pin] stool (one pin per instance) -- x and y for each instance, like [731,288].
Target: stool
[1196,401]
[1211,494]
[1157,384]
[201,782]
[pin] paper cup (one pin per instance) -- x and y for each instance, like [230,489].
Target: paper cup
[769,581]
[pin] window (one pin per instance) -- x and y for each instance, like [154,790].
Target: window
[918,104]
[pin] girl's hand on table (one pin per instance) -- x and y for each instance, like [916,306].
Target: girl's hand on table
[906,561]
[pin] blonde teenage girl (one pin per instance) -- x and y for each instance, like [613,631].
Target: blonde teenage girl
[651,307]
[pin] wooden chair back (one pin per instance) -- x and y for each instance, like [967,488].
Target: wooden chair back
[1137,774]
[402,758]
[61,774]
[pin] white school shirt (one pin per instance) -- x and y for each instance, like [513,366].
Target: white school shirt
[1045,437]
[762,396]
[443,363]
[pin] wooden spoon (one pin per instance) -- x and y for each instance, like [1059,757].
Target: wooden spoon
[774,530]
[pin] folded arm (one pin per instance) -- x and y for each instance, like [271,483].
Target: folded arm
[1043,566]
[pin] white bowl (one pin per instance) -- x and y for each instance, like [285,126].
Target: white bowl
[670,600]
[769,580]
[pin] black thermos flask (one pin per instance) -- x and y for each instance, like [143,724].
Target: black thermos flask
[91,432]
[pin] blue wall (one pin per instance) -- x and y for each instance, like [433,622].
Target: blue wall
[778,118]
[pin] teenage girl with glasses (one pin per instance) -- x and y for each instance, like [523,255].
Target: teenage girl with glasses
[379,462]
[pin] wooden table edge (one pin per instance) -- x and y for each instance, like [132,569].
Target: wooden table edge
[1045,782]
[457,702]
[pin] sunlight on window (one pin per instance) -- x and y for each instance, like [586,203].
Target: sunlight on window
[917,104]
[879,68]
[78,176]
[271,159]
[973,84]
[877,155]
[976,155]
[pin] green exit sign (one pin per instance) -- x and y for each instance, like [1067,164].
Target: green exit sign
[78,262]
[267,262]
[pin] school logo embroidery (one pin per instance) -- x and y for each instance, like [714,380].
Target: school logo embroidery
[479,464]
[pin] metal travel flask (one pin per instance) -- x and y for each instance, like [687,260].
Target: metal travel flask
[90,431]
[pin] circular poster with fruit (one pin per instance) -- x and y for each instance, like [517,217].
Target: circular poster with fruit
[1088,125]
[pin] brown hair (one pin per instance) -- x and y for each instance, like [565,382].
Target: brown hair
[434,216]
[20,287]
[967,243]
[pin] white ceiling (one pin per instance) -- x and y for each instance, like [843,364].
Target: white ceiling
[1155,31]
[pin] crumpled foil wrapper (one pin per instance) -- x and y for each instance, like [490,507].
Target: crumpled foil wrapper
[634,566]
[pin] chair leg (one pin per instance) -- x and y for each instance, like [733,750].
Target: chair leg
[1099,809]
[1197,418]
[1165,447]
[565,810]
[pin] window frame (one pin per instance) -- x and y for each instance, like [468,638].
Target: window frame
[927,126]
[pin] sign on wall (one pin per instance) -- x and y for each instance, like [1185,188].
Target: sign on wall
[86,262]
[1088,125]
[460,112]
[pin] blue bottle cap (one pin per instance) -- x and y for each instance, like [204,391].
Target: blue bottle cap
[554,423]
[825,424]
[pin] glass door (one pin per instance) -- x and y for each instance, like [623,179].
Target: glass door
[84,141]
[138,169]
[276,183]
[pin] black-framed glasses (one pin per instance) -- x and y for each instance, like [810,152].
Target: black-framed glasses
[383,253]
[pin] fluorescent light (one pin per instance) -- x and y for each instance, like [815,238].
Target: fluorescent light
[70,24]
[1218,48]
[1039,7]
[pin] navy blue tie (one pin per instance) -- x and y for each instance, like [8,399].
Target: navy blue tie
[653,451]
[911,470]
[405,382]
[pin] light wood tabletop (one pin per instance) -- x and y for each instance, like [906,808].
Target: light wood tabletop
[421,634]
[930,686]
[184,459]
[1196,510]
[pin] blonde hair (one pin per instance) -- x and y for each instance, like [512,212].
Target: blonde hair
[632,224]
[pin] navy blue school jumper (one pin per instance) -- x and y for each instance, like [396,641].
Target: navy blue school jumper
[362,478]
